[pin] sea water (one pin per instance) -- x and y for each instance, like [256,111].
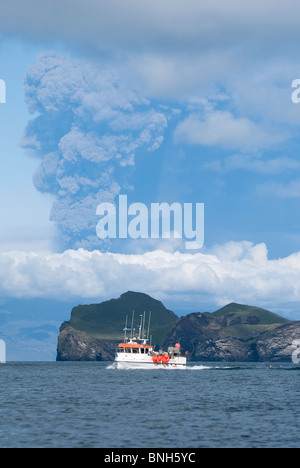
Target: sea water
[94,405]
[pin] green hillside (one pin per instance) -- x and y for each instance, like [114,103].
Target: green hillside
[265,316]
[107,320]
[229,334]
[243,321]
[234,333]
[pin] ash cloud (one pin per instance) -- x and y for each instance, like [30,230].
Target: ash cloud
[87,129]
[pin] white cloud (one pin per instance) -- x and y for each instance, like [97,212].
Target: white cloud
[173,44]
[223,129]
[254,163]
[239,272]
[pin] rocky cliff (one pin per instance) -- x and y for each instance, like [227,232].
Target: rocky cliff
[94,331]
[75,345]
[278,345]
[233,333]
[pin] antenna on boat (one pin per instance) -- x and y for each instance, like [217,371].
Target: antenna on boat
[148,331]
[125,329]
[140,328]
[132,324]
[143,332]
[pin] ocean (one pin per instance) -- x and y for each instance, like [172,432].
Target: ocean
[93,405]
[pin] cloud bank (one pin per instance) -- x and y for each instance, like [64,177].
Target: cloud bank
[87,129]
[177,48]
[191,24]
[239,272]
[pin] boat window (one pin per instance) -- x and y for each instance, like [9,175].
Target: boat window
[121,350]
[142,350]
[146,350]
[135,350]
[128,350]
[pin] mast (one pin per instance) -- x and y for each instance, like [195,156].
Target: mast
[140,329]
[126,329]
[148,331]
[143,332]
[132,324]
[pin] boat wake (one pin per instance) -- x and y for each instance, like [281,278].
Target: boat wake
[200,367]
[197,367]
[147,367]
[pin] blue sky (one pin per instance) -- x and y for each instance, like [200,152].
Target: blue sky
[25,217]
[175,102]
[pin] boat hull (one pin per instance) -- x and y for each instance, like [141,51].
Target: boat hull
[135,364]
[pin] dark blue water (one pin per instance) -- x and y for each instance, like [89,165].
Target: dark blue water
[92,405]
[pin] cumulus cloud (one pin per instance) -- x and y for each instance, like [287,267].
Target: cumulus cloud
[240,272]
[87,130]
[221,128]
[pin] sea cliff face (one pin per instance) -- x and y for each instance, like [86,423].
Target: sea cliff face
[278,346]
[94,331]
[234,333]
[74,345]
[273,346]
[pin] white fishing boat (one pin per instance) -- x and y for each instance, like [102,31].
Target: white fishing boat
[135,352]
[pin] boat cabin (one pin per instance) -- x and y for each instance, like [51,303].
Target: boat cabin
[134,348]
